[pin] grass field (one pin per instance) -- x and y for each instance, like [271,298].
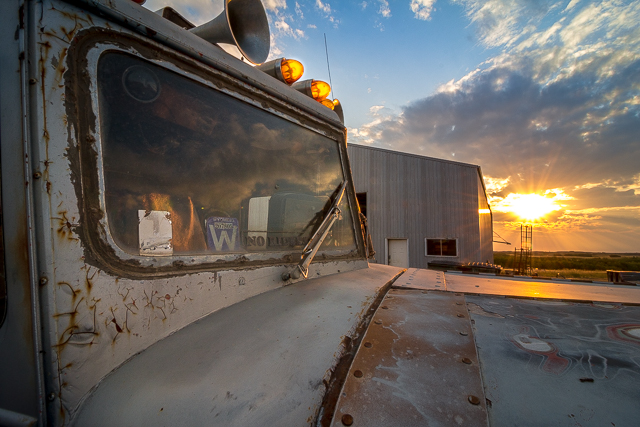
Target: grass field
[574,274]
[580,265]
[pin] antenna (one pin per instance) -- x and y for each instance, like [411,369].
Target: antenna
[326,51]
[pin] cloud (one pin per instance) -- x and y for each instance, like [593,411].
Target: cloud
[503,22]
[495,185]
[283,25]
[375,109]
[363,5]
[384,9]
[607,209]
[619,186]
[422,9]
[274,5]
[549,112]
[285,29]
[325,9]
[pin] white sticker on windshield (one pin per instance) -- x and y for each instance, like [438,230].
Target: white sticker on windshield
[155,233]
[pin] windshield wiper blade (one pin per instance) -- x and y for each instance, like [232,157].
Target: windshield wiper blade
[318,237]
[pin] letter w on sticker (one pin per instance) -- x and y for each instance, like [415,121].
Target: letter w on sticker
[222,234]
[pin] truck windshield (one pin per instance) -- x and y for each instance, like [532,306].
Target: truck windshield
[191,170]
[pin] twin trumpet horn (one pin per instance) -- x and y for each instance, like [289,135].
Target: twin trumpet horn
[242,23]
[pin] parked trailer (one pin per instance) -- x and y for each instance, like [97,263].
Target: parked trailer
[182,246]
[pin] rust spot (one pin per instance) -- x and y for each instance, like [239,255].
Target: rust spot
[347,419]
[167,296]
[118,327]
[88,280]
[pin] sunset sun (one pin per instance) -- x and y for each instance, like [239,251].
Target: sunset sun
[528,206]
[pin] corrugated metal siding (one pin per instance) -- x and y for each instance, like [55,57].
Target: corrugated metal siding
[414,197]
[485,224]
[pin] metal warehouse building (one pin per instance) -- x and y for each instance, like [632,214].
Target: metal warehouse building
[421,209]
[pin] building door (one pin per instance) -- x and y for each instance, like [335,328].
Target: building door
[398,252]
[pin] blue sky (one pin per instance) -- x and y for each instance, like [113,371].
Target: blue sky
[543,95]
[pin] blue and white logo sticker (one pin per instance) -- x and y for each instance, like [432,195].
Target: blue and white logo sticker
[222,234]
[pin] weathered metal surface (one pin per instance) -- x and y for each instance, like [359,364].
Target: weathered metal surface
[416,197]
[532,288]
[263,361]
[417,366]
[557,363]
[20,367]
[420,278]
[93,319]
[136,18]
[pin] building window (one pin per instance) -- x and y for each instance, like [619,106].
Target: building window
[441,247]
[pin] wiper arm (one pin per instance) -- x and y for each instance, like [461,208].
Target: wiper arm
[318,237]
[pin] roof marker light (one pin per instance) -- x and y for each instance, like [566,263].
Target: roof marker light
[285,70]
[337,108]
[327,103]
[291,70]
[315,89]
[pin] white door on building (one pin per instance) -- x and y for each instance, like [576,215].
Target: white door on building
[398,252]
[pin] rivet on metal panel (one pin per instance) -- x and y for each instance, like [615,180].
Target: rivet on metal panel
[51,396]
[464,334]
[43,281]
[473,400]
[37,175]
[32,81]
[347,420]
[378,322]
[458,303]
[460,315]
[384,307]
[425,292]
[466,360]
[389,297]
[368,344]
[357,373]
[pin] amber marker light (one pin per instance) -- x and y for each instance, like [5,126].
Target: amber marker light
[327,103]
[286,70]
[320,90]
[316,89]
[337,108]
[291,70]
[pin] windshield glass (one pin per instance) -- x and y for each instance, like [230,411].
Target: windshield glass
[191,170]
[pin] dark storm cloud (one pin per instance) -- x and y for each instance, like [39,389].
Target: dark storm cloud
[584,128]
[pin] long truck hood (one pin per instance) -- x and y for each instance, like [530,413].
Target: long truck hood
[429,348]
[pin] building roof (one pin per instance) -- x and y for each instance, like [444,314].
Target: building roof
[400,153]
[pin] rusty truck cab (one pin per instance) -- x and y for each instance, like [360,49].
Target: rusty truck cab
[150,179]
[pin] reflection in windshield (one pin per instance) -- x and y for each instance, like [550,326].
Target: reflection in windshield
[191,170]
